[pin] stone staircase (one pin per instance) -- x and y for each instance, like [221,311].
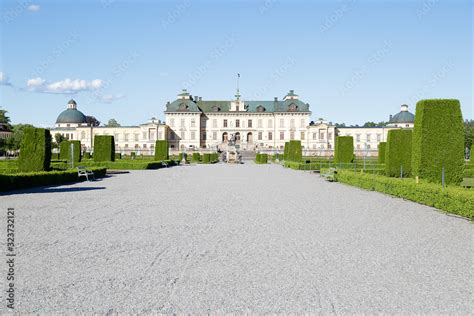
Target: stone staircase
[247,155]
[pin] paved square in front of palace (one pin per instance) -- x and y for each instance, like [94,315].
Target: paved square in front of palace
[234,238]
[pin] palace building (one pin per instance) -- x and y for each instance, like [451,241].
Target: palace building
[192,123]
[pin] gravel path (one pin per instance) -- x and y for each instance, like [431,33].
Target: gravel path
[234,238]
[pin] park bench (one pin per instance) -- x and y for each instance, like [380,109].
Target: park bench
[83,172]
[330,174]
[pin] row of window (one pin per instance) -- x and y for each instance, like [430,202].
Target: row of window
[368,137]
[126,136]
[240,123]
[136,146]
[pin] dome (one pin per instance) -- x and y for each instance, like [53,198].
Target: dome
[403,116]
[71,116]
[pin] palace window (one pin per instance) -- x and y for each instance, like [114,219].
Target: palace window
[302,135]
[136,136]
[379,137]
[250,123]
[182,134]
[259,135]
[160,135]
[144,146]
[302,123]
[214,123]
[144,136]
[282,135]
[315,136]
[225,123]
[182,123]
[292,123]
[259,123]
[237,108]
[126,145]
[83,135]
[270,136]
[172,122]
[125,137]
[116,137]
[329,146]
[292,135]
[321,135]
[237,123]
[368,137]
[214,135]
[358,146]
[270,123]
[193,135]
[329,135]
[193,122]
[358,137]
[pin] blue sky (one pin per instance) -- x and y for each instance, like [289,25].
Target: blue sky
[352,61]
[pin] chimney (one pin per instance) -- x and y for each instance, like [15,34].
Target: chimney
[390,118]
[200,98]
[276,99]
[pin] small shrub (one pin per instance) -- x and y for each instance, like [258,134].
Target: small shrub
[87,155]
[35,150]
[344,149]
[398,153]
[118,156]
[161,150]
[104,148]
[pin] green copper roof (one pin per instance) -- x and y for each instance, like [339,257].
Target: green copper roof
[71,116]
[224,106]
[403,117]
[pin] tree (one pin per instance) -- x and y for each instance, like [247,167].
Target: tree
[92,121]
[112,123]
[58,139]
[369,124]
[14,141]
[340,124]
[468,133]
[4,119]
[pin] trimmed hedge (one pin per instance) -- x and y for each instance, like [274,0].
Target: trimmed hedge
[104,148]
[286,150]
[129,164]
[398,152]
[35,150]
[452,199]
[261,159]
[54,156]
[294,150]
[206,158]
[65,148]
[381,157]
[161,150]
[196,157]
[438,140]
[19,181]
[87,155]
[344,149]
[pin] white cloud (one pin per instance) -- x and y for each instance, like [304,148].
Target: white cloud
[109,98]
[33,7]
[66,86]
[4,81]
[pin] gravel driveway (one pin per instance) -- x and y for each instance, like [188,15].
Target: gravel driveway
[233,238]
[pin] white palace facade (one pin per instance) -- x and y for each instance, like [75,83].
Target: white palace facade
[192,123]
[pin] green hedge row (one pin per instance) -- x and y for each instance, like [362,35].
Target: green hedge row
[129,164]
[452,199]
[261,158]
[355,168]
[381,157]
[196,157]
[161,150]
[344,149]
[26,180]
[35,150]
[285,151]
[438,140]
[65,150]
[398,153]
[104,148]
[54,156]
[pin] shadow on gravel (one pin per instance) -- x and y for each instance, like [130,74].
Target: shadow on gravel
[51,190]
